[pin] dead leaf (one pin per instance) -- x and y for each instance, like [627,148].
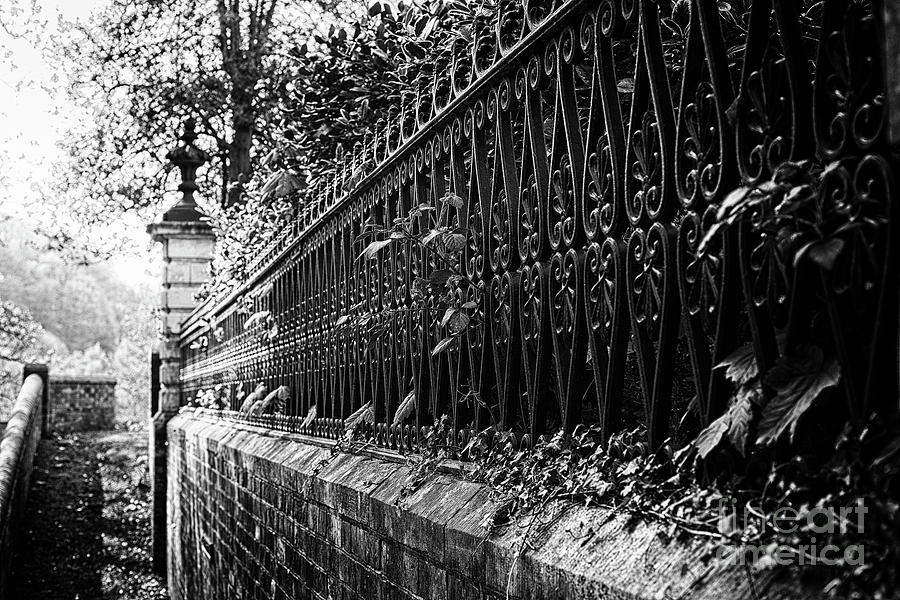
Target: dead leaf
[257,317]
[374,248]
[441,346]
[364,414]
[309,419]
[405,409]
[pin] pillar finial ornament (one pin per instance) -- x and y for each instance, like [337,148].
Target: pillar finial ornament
[188,158]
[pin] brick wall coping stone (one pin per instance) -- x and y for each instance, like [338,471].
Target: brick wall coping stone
[81,379]
[12,443]
[17,447]
[582,553]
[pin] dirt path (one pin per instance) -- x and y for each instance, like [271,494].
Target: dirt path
[88,527]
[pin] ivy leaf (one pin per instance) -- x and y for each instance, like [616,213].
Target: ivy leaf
[446,318]
[626,85]
[280,184]
[732,202]
[455,320]
[414,51]
[405,409]
[796,199]
[740,365]
[791,172]
[431,236]
[458,322]
[439,276]
[453,200]
[798,380]
[455,242]
[708,238]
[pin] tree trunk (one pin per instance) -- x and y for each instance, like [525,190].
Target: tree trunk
[242,64]
[239,168]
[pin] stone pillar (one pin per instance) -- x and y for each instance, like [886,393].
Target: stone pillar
[891,33]
[187,243]
[891,24]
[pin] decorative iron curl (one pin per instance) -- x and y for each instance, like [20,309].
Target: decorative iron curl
[562,203]
[567,45]
[510,25]
[520,83]
[505,94]
[586,32]
[499,234]
[537,11]
[529,220]
[535,72]
[485,48]
[474,255]
[609,18]
[698,172]
[700,272]
[550,58]
[461,70]
[646,170]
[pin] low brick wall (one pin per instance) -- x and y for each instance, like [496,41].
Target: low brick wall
[81,403]
[263,514]
[17,448]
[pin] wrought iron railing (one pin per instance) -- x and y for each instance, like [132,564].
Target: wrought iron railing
[594,145]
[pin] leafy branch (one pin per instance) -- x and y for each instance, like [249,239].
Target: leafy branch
[445,286]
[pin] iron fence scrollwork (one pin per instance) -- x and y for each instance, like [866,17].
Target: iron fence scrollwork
[595,147]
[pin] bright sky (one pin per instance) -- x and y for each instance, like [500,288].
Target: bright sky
[34,112]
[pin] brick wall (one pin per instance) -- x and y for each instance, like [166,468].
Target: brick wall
[17,448]
[268,515]
[81,403]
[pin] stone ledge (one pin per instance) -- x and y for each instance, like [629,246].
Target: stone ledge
[335,521]
[62,379]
